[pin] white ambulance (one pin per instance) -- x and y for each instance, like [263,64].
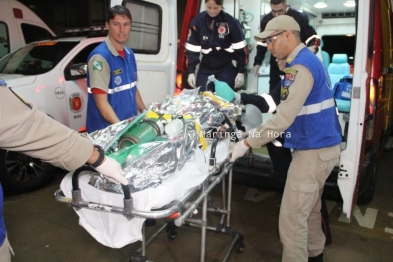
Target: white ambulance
[19,26]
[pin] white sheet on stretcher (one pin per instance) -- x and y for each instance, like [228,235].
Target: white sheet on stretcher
[114,230]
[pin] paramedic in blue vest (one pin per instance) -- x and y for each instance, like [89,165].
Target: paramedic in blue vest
[112,75]
[219,38]
[267,103]
[281,156]
[307,117]
[27,130]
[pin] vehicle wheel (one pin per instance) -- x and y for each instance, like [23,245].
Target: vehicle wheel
[22,173]
[369,191]
[171,230]
[240,244]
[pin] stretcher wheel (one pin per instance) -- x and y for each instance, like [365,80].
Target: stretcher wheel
[240,244]
[136,257]
[171,230]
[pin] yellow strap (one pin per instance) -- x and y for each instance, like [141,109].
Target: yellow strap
[210,95]
[201,137]
[152,114]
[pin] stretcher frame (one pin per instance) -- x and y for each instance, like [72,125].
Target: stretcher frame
[180,211]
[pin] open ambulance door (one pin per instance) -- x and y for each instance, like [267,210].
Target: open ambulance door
[370,117]
[153,39]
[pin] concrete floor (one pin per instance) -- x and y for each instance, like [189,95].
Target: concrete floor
[41,229]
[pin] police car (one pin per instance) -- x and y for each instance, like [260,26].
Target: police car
[50,74]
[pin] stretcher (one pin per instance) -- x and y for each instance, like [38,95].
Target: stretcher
[115,220]
[194,165]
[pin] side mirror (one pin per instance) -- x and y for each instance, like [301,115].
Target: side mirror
[76,71]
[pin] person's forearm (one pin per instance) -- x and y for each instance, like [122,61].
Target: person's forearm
[105,109]
[139,102]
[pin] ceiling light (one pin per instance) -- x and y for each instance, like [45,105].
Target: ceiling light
[349,4]
[320,5]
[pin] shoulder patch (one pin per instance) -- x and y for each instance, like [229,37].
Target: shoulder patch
[97,65]
[286,82]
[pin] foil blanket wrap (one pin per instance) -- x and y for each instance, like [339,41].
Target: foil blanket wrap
[147,164]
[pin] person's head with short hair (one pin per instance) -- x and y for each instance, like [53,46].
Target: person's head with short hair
[213,7]
[281,36]
[279,7]
[119,25]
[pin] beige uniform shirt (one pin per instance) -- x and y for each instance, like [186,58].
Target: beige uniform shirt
[288,109]
[33,133]
[101,78]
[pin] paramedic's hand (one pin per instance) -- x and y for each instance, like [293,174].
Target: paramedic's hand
[256,70]
[191,80]
[112,170]
[238,150]
[239,80]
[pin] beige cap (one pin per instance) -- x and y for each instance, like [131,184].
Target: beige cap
[279,23]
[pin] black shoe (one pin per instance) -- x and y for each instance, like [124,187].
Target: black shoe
[150,222]
[316,259]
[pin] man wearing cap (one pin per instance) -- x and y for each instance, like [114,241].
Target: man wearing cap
[281,157]
[307,118]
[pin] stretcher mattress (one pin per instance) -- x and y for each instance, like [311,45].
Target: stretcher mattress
[115,230]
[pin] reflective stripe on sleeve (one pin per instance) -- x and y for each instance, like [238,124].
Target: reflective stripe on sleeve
[239,45]
[193,48]
[229,50]
[311,37]
[316,108]
[261,44]
[206,51]
[270,102]
[276,143]
[117,89]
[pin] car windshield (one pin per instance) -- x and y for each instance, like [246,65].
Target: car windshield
[35,58]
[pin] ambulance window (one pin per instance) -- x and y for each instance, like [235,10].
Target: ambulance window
[33,33]
[346,46]
[4,41]
[145,36]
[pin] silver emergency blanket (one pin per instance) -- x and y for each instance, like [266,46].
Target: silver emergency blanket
[147,164]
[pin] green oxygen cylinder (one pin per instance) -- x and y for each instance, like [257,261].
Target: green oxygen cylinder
[145,131]
[224,91]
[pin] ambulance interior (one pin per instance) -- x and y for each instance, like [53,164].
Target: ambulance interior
[335,24]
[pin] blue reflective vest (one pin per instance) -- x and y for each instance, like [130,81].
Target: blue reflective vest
[316,126]
[122,88]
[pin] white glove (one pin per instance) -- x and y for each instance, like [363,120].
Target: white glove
[112,170]
[239,80]
[256,70]
[191,80]
[238,150]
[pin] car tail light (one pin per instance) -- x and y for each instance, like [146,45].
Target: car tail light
[178,83]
